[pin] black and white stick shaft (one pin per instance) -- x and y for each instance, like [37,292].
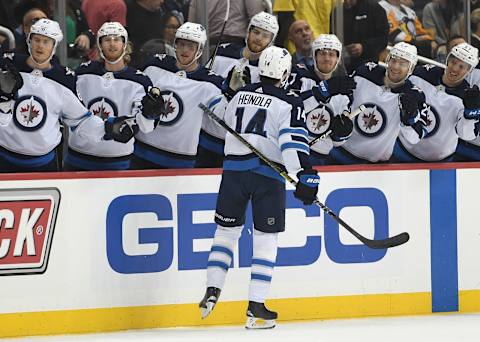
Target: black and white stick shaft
[351,115]
[375,244]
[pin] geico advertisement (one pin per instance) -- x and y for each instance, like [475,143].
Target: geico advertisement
[145,241]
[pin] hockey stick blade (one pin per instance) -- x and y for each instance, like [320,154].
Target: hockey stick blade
[375,244]
[392,241]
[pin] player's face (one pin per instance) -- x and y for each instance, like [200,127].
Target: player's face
[258,39]
[397,69]
[41,48]
[185,51]
[112,47]
[455,72]
[326,60]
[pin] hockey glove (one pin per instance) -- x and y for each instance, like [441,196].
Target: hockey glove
[342,128]
[334,86]
[471,102]
[10,82]
[307,186]
[409,113]
[153,104]
[235,80]
[120,129]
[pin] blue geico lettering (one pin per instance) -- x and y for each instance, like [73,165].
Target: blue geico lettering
[189,232]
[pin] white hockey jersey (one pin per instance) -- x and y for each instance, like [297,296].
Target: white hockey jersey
[110,94]
[319,115]
[445,120]
[375,130]
[231,55]
[274,123]
[173,143]
[471,150]
[44,99]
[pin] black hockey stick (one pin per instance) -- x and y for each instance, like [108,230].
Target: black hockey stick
[375,244]
[351,115]
[210,62]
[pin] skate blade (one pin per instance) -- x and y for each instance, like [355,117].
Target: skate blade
[259,323]
[207,310]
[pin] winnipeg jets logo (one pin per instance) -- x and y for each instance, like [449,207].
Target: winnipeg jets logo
[372,121]
[69,71]
[429,66]
[430,120]
[160,56]
[103,107]
[174,106]
[371,65]
[30,113]
[318,120]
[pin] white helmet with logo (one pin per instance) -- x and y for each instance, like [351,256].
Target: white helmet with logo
[405,51]
[466,53]
[112,29]
[48,28]
[275,63]
[265,21]
[326,42]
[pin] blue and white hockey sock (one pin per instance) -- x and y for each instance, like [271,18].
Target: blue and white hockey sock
[263,263]
[221,254]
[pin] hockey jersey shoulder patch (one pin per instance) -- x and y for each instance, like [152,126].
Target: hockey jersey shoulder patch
[63,75]
[205,75]
[230,50]
[90,67]
[134,75]
[430,73]
[162,61]
[371,71]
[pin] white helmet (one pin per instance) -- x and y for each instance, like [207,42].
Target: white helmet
[466,53]
[265,21]
[47,28]
[405,51]
[275,63]
[195,33]
[112,29]
[329,42]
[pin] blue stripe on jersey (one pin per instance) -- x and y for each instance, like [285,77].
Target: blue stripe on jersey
[79,120]
[163,158]
[263,262]
[296,146]
[256,276]
[214,102]
[215,263]
[298,131]
[252,165]
[211,143]
[86,163]
[222,249]
[28,161]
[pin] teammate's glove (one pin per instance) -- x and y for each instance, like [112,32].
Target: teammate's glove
[307,186]
[153,104]
[334,86]
[342,128]
[120,129]
[409,113]
[471,102]
[235,80]
[10,82]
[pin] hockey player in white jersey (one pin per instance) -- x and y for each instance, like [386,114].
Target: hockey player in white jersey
[235,61]
[30,110]
[392,104]
[325,98]
[110,88]
[274,123]
[184,83]
[454,107]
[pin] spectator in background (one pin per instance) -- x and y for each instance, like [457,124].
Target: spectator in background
[475,25]
[79,37]
[27,13]
[7,21]
[365,30]
[300,34]
[98,12]
[315,12]
[144,22]
[241,11]
[171,22]
[440,19]
[406,27]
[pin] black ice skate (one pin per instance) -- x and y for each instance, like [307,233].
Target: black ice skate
[259,317]
[209,300]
